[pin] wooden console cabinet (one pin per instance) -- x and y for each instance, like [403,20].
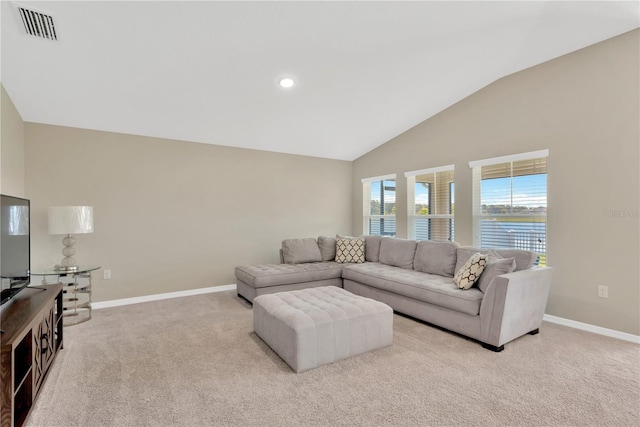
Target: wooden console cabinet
[31,337]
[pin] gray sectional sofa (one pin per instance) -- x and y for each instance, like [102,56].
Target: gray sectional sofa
[416,278]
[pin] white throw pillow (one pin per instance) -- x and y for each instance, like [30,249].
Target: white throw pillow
[470,271]
[350,250]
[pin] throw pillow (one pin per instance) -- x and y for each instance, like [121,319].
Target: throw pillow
[350,250]
[470,271]
[371,246]
[496,265]
[297,251]
[524,259]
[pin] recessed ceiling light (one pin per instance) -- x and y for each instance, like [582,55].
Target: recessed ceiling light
[286,82]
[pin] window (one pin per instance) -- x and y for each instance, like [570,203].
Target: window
[379,205]
[430,199]
[510,202]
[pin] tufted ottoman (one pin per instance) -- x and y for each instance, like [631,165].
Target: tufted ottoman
[312,327]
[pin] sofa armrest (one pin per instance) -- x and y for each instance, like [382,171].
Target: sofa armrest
[514,305]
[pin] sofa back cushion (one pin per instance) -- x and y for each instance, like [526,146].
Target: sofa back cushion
[297,251]
[436,257]
[327,247]
[524,259]
[397,252]
[372,248]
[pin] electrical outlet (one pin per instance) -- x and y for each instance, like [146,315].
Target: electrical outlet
[603,291]
[107,274]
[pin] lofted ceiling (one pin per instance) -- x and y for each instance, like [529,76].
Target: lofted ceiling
[207,71]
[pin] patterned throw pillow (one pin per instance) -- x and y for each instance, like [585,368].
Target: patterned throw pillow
[349,250]
[470,271]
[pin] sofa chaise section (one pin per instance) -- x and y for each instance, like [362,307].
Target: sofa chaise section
[255,280]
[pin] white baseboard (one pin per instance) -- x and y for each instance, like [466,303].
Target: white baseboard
[158,297]
[594,329]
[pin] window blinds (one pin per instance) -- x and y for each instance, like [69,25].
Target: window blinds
[510,203]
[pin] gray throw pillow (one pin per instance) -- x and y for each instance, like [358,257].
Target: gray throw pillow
[327,247]
[496,265]
[436,257]
[397,252]
[524,259]
[297,251]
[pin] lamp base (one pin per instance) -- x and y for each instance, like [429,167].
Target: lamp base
[68,263]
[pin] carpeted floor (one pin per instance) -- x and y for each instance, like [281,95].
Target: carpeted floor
[195,361]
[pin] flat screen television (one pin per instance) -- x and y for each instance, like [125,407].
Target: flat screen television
[15,257]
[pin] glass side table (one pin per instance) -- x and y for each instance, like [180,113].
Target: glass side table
[76,301]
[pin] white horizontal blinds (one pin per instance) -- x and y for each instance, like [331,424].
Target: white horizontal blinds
[379,205]
[510,204]
[431,203]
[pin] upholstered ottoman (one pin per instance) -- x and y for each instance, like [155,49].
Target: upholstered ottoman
[312,327]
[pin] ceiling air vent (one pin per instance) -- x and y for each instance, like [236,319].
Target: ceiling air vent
[37,23]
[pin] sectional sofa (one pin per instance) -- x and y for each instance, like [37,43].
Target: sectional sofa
[416,278]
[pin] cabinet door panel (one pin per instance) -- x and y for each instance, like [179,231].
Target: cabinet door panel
[48,338]
[37,366]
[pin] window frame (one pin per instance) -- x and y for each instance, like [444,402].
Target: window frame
[536,217]
[412,217]
[366,202]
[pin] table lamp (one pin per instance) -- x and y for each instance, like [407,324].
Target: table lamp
[70,220]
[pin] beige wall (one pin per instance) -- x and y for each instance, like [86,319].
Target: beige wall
[583,107]
[172,215]
[11,148]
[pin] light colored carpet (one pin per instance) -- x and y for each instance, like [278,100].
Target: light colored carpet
[195,361]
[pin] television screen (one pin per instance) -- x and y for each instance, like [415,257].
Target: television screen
[14,246]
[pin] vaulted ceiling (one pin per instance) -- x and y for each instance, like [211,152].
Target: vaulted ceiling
[208,71]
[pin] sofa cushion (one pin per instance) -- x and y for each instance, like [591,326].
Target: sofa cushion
[430,288]
[261,276]
[397,252]
[436,257]
[372,248]
[350,250]
[496,265]
[297,251]
[524,259]
[470,272]
[327,247]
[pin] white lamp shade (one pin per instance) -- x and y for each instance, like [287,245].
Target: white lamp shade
[70,219]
